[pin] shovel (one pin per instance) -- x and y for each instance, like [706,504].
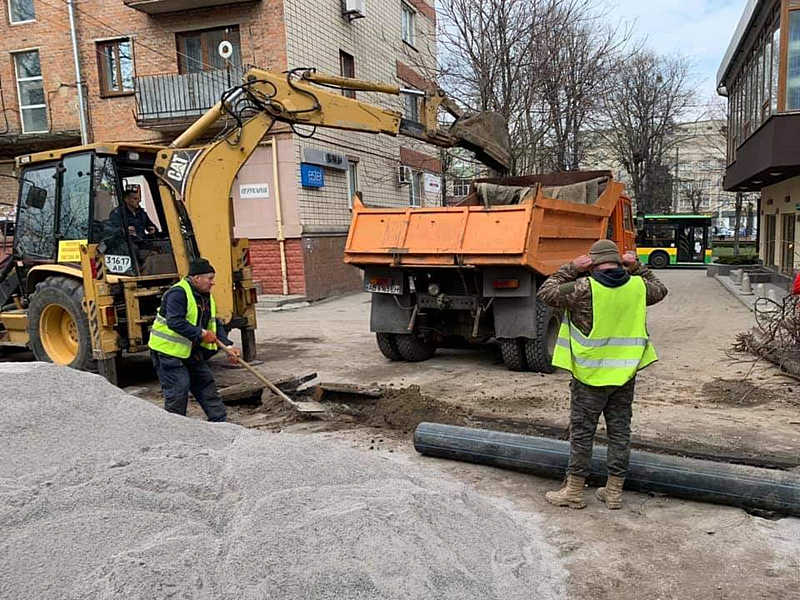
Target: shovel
[303,407]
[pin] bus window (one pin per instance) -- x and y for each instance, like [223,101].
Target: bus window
[658,236]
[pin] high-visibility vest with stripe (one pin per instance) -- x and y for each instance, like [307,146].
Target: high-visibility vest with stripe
[618,344]
[165,340]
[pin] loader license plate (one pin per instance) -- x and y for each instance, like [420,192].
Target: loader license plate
[383,285]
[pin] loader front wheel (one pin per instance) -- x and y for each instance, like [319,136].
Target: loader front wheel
[58,328]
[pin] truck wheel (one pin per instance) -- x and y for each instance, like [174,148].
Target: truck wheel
[388,346]
[58,328]
[412,348]
[539,351]
[513,352]
[658,260]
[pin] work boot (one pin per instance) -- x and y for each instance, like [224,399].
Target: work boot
[571,494]
[612,493]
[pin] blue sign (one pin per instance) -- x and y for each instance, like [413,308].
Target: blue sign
[312,175]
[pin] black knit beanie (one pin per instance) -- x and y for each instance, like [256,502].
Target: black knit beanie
[200,266]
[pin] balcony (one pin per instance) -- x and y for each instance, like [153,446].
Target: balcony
[769,155]
[154,7]
[165,101]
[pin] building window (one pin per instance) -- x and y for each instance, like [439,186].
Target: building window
[115,64]
[408,16]
[461,187]
[198,50]
[30,88]
[347,68]
[352,181]
[21,11]
[793,61]
[776,61]
[411,107]
[415,189]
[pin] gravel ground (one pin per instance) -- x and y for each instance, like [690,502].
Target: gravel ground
[103,495]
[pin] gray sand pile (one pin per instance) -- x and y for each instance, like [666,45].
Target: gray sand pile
[103,495]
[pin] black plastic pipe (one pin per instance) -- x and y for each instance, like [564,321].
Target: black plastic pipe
[701,480]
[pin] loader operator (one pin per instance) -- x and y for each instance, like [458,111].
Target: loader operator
[183,338]
[603,342]
[139,224]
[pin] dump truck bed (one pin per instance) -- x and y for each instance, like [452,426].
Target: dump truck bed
[537,228]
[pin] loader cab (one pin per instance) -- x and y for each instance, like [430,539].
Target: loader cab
[89,197]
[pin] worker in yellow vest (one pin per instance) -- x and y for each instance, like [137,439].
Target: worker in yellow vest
[603,342]
[183,337]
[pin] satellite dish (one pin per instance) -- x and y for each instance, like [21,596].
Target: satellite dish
[225,49]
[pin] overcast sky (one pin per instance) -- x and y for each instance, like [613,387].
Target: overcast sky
[699,29]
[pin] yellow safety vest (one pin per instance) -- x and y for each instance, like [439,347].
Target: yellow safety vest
[618,345]
[165,340]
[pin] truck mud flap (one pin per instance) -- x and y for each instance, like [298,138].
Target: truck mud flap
[701,480]
[515,317]
[390,313]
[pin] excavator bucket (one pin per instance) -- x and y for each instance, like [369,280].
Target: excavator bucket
[485,134]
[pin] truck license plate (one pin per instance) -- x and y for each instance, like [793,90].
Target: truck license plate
[383,285]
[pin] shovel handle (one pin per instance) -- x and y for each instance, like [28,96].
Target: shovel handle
[261,378]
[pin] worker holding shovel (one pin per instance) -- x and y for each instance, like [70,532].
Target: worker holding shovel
[603,342]
[184,336]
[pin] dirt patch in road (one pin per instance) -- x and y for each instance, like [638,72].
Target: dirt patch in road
[737,392]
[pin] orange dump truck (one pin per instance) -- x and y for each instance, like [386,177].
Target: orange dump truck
[468,274]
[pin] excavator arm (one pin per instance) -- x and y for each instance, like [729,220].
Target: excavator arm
[199,178]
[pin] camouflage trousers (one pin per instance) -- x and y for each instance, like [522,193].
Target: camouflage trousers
[587,403]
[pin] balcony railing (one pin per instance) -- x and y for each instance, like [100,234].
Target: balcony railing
[177,98]
[155,7]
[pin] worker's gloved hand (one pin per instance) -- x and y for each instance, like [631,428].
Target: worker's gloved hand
[582,263]
[629,259]
[233,354]
[209,337]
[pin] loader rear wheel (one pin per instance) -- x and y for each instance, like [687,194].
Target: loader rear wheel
[388,346]
[412,348]
[539,351]
[513,352]
[58,328]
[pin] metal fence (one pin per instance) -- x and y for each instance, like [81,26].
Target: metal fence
[181,96]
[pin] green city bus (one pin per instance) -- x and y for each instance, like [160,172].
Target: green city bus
[666,240]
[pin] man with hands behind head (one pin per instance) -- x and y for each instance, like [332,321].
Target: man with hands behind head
[603,342]
[183,338]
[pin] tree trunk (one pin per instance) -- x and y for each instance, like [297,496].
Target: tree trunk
[738,223]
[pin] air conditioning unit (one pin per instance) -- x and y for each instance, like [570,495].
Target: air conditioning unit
[354,9]
[403,175]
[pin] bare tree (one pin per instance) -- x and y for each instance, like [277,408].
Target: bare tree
[580,53]
[542,64]
[695,191]
[648,97]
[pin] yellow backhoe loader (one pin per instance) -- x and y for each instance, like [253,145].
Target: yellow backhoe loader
[83,284]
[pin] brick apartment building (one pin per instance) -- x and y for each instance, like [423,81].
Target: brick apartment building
[150,67]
